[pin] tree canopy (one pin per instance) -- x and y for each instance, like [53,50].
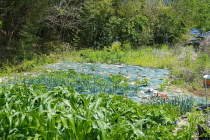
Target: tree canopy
[38,26]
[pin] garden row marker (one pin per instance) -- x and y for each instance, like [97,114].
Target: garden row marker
[206,77]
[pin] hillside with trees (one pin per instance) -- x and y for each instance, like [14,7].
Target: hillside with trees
[40,27]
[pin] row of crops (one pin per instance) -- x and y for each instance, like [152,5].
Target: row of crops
[62,113]
[96,84]
[72,105]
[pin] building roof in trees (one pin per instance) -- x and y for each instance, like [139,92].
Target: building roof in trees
[205,35]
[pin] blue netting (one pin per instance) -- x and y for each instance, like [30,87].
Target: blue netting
[103,71]
[155,76]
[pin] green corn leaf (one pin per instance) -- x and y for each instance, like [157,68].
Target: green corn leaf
[64,122]
[102,126]
[136,131]
[71,119]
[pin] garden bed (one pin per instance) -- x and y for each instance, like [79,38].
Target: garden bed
[70,85]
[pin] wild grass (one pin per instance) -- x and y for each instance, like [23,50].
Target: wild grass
[146,57]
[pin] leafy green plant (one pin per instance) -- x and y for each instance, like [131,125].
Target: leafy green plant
[0,24]
[177,82]
[125,87]
[63,114]
[126,47]
[36,112]
[139,83]
[116,46]
[207,132]
[164,48]
[116,79]
[136,85]
[189,130]
[145,82]
[162,86]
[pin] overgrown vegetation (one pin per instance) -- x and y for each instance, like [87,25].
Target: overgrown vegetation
[40,27]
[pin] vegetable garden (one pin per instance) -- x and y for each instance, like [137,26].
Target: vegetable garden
[88,101]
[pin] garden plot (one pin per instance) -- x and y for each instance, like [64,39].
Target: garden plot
[133,82]
[155,76]
[37,104]
[64,102]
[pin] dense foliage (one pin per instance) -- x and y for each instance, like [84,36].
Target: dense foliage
[62,113]
[38,27]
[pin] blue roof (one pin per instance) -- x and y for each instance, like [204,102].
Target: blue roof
[195,31]
[206,34]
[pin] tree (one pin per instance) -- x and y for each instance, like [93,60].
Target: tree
[95,16]
[0,24]
[194,12]
[29,25]
[14,15]
[106,20]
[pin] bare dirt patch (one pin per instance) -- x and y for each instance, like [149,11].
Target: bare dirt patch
[189,90]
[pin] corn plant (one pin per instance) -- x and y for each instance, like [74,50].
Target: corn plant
[62,113]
